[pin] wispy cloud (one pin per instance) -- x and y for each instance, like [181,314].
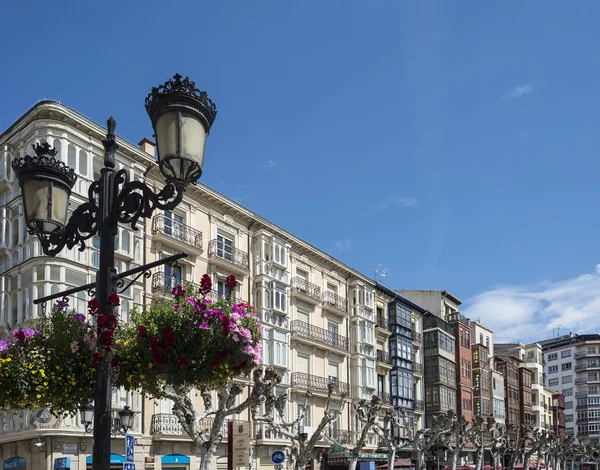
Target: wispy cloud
[533,312]
[391,200]
[342,245]
[270,164]
[519,91]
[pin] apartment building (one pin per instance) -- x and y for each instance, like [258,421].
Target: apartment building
[498,397]
[572,366]
[321,318]
[558,415]
[508,366]
[483,379]
[464,364]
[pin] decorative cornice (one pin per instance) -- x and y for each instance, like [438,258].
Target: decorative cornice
[334,317]
[301,347]
[301,304]
[332,357]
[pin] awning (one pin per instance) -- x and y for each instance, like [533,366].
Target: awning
[15,462]
[115,459]
[399,464]
[175,458]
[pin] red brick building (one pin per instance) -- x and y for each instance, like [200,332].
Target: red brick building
[464,364]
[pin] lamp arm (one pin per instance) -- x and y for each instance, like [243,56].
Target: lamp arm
[82,225]
[136,199]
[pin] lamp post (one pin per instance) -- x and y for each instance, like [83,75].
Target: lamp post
[181,116]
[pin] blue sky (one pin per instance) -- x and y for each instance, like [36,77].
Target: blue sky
[453,142]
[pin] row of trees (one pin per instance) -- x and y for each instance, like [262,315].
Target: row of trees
[190,343]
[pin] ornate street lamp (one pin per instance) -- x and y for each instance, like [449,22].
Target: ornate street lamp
[126,419]
[86,416]
[182,117]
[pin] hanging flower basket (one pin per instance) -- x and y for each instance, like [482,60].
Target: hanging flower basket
[188,340]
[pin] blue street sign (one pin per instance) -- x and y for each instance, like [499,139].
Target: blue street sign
[129,444]
[278,457]
[128,466]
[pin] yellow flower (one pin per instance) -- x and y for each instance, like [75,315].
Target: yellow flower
[45,384]
[39,396]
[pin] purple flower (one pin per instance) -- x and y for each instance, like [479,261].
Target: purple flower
[80,318]
[4,344]
[246,334]
[203,326]
[62,304]
[235,337]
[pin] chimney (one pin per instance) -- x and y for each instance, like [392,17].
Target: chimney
[147,146]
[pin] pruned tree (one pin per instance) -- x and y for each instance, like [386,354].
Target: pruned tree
[547,442]
[426,439]
[460,433]
[511,445]
[207,439]
[478,439]
[498,441]
[532,439]
[302,445]
[367,412]
[384,432]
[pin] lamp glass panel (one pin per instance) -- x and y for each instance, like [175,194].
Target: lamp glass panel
[193,138]
[166,134]
[60,203]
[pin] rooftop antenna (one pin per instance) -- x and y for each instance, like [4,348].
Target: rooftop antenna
[377,269]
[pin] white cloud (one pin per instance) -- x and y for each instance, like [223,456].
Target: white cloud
[532,312]
[403,201]
[342,245]
[269,164]
[519,91]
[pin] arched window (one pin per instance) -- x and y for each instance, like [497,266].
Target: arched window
[83,162]
[267,299]
[125,241]
[58,147]
[72,156]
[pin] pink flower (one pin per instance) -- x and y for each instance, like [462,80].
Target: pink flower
[203,326]
[236,338]
[246,334]
[74,347]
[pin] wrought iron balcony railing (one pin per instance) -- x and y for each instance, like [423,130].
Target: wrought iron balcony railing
[417,337]
[329,298]
[381,322]
[383,357]
[329,338]
[161,282]
[216,248]
[418,368]
[318,384]
[168,424]
[302,285]
[419,405]
[341,436]
[177,230]
[386,398]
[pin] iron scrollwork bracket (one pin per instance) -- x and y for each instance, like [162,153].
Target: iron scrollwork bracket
[136,199]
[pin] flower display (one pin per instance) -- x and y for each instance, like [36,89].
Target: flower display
[188,340]
[50,367]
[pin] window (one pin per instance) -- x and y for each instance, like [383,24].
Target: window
[552,356]
[172,277]
[567,379]
[224,247]
[566,366]
[566,353]
[567,392]
[280,298]
[464,339]
[552,369]
[301,410]
[83,162]
[72,156]
[467,404]
[223,290]
[466,368]
[553,382]
[173,224]
[487,342]
[480,338]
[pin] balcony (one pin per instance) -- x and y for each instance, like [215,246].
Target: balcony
[176,234]
[381,322]
[383,357]
[581,381]
[166,424]
[342,436]
[419,406]
[334,302]
[437,378]
[318,335]
[417,368]
[266,432]
[318,384]
[386,398]
[588,365]
[417,337]
[162,284]
[228,256]
[457,317]
[306,290]
[580,354]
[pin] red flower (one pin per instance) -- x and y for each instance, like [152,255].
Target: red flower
[107,337]
[154,343]
[241,366]
[108,321]
[158,358]
[142,331]
[115,361]
[226,325]
[167,331]
[177,291]
[97,358]
[181,361]
[20,335]
[230,282]
[215,362]
[93,306]
[205,284]
[114,299]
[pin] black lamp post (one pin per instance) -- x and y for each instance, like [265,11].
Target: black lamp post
[181,117]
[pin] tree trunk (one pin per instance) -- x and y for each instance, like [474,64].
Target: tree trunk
[421,460]
[207,452]
[480,459]
[455,457]
[526,461]
[392,458]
